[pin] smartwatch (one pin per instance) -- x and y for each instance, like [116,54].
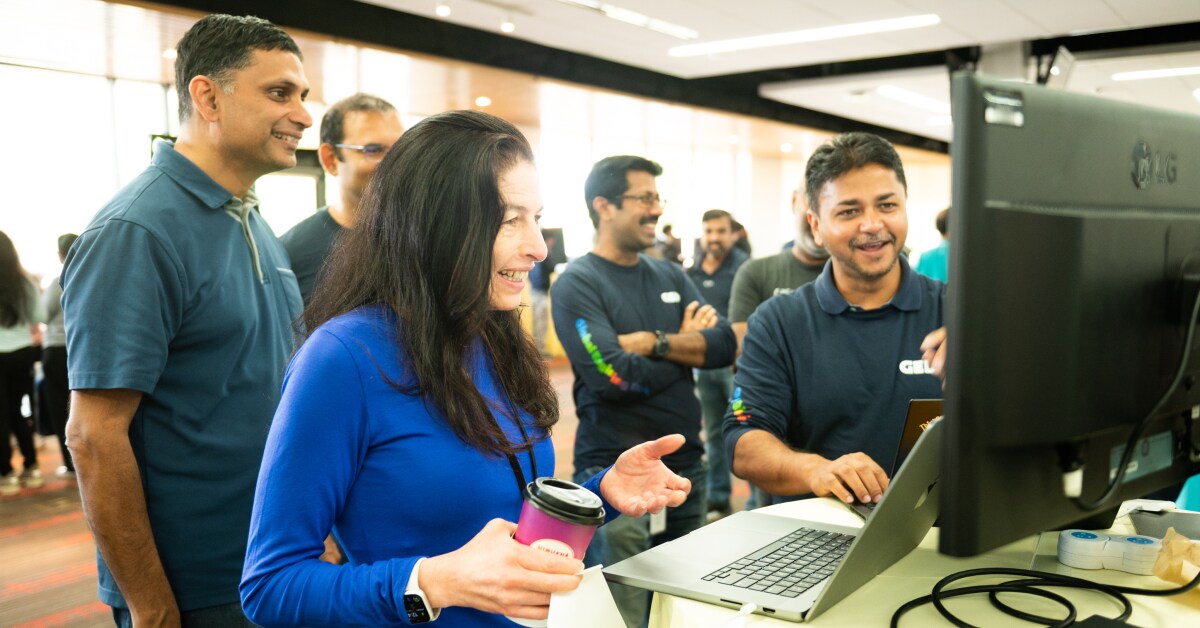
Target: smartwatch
[662,346]
[415,604]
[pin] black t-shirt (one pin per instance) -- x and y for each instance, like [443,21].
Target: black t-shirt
[308,244]
[623,399]
[717,287]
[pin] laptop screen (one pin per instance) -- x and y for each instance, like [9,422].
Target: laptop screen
[920,413]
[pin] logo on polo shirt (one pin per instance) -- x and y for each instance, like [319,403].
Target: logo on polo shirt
[670,297]
[915,367]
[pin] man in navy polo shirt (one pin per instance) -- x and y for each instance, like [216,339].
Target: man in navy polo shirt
[827,371]
[178,302]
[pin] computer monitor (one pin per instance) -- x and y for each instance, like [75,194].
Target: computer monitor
[1074,257]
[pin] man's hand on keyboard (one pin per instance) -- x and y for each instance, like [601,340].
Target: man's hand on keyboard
[852,477]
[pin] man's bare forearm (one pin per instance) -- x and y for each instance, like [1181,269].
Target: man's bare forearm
[739,330]
[765,461]
[687,348]
[114,503]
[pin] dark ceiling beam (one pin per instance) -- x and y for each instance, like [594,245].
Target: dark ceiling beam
[951,59]
[1187,34]
[381,26]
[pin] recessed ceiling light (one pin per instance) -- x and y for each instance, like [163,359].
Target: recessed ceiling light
[913,99]
[637,19]
[785,147]
[507,26]
[443,9]
[857,95]
[483,101]
[805,36]
[1153,74]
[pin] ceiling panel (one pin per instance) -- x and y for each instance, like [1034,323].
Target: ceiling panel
[130,41]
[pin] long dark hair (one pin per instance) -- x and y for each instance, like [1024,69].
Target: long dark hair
[423,247]
[14,286]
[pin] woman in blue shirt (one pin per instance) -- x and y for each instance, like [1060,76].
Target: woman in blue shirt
[417,407]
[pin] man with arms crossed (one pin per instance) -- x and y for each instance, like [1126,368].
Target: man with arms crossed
[178,303]
[827,371]
[633,328]
[356,132]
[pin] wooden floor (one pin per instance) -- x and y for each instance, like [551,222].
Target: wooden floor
[47,556]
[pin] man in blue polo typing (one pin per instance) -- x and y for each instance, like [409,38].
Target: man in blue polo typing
[827,371]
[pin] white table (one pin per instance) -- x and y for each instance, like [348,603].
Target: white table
[914,576]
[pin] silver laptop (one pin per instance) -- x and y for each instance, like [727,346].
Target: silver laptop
[756,557]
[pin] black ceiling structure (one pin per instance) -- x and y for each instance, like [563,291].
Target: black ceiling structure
[735,93]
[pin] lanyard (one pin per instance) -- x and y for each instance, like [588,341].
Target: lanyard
[512,458]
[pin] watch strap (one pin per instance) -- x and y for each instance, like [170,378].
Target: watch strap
[662,345]
[416,606]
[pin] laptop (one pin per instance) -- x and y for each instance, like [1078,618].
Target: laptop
[921,413]
[740,559]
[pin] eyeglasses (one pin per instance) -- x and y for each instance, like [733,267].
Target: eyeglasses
[370,151]
[647,200]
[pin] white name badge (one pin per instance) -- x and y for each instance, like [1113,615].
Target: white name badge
[670,297]
[658,522]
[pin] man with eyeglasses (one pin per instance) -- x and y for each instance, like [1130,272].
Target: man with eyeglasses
[633,328]
[356,132]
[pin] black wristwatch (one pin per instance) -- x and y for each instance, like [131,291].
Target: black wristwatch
[662,346]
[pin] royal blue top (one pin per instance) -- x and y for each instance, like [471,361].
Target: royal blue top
[383,470]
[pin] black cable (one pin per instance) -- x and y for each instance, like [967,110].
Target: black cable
[1131,445]
[1027,585]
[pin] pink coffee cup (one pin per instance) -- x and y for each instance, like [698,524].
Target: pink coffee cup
[559,517]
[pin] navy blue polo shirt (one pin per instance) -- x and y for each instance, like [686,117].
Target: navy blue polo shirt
[718,286]
[830,378]
[181,292]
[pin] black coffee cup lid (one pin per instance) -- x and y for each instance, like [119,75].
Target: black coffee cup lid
[565,500]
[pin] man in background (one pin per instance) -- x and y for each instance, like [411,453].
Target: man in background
[356,132]
[634,328]
[179,304]
[539,292]
[760,279]
[669,247]
[713,273]
[935,263]
[827,371]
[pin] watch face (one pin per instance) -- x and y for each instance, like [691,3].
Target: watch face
[661,345]
[414,605]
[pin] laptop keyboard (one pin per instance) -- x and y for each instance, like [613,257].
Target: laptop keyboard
[789,566]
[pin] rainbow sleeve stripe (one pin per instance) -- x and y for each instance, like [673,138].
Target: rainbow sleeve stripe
[738,407]
[605,368]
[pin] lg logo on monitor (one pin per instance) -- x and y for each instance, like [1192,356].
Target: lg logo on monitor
[1150,166]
